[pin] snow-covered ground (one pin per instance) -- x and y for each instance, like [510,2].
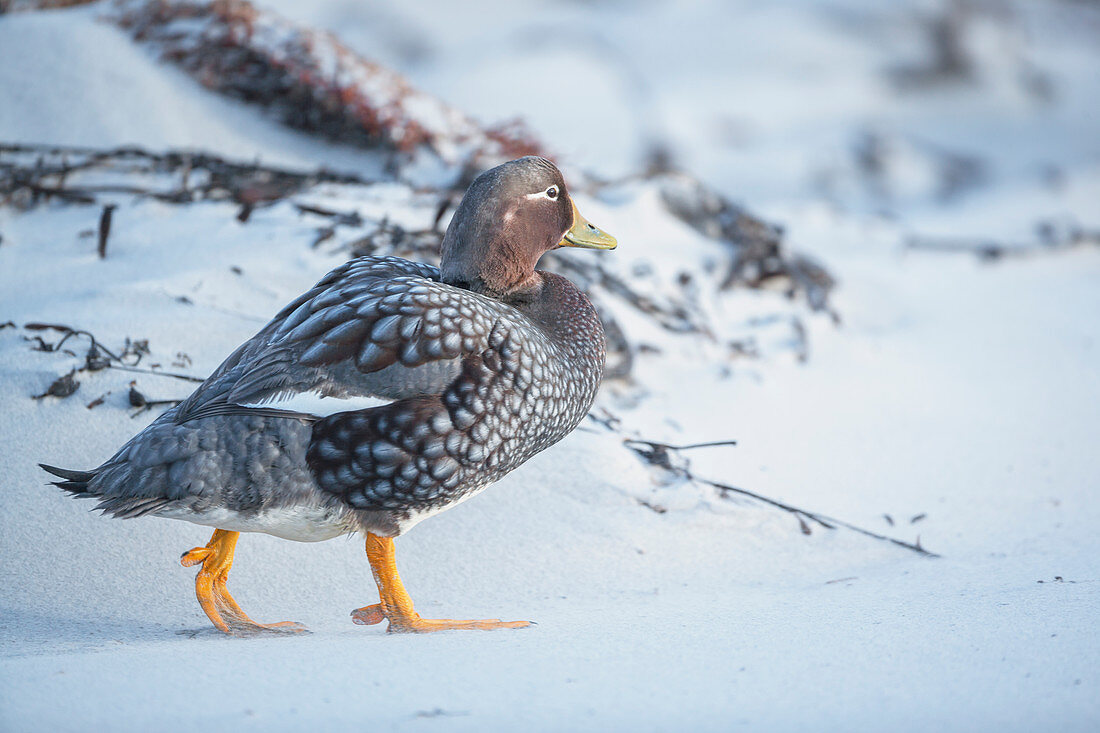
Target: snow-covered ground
[961,398]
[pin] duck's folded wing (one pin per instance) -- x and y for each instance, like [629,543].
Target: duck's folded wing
[372,331]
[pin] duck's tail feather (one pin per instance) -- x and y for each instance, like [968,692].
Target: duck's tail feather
[76,482]
[119,505]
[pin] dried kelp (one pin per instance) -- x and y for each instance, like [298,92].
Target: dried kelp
[758,257]
[312,81]
[880,161]
[63,386]
[35,174]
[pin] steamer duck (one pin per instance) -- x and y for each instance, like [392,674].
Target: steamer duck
[389,392]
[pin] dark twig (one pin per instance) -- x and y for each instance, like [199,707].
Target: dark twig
[149,405]
[100,357]
[655,444]
[351,219]
[661,455]
[105,229]
[139,400]
[68,332]
[821,519]
[604,417]
[159,373]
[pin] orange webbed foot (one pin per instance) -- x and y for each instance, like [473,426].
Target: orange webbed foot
[368,615]
[213,594]
[417,625]
[414,624]
[194,556]
[396,606]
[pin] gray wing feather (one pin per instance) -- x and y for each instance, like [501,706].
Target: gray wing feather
[376,326]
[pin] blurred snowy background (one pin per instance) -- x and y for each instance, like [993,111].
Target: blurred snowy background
[859,238]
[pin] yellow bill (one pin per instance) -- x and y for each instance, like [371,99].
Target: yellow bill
[586,235]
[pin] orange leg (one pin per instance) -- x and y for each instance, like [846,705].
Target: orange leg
[213,595]
[397,607]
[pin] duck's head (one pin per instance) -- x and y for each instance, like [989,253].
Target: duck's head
[510,216]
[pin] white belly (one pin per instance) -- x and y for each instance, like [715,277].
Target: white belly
[298,523]
[416,517]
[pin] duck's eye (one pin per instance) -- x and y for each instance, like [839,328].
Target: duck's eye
[552,192]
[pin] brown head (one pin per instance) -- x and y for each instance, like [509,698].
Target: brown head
[510,216]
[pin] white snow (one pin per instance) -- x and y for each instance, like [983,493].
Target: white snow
[960,398]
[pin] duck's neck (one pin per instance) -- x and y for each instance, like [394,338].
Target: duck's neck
[565,314]
[493,259]
[515,288]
